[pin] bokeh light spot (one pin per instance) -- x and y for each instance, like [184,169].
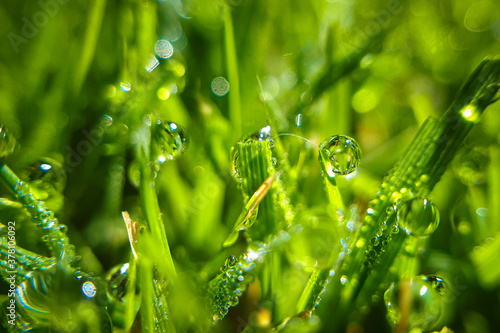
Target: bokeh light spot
[220,86]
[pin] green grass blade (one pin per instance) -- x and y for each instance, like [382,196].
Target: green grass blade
[93,28]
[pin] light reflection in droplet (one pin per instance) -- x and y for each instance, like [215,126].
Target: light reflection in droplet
[252,255]
[164,49]
[45,167]
[423,290]
[220,86]
[298,120]
[470,114]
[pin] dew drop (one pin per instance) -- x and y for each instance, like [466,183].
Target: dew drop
[220,86]
[106,120]
[125,86]
[89,289]
[339,155]
[421,297]
[168,141]
[45,175]
[264,135]
[7,142]
[63,228]
[298,120]
[117,281]
[418,217]
[344,280]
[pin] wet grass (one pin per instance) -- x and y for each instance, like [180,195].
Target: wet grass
[286,167]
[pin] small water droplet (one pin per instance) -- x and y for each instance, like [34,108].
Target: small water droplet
[220,86]
[298,120]
[421,298]
[89,289]
[168,141]
[344,280]
[63,228]
[164,49]
[418,217]
[106,120]
[7,142]
[125,86]
[339,155]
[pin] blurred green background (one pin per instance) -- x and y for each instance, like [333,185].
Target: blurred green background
[374,70]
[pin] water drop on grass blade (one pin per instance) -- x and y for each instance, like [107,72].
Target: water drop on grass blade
[46,175]
[418,217]
[263,135]
[117,281]
[418,302]
[168,141]
[339,155]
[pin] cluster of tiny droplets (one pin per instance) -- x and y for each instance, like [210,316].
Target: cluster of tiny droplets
[53,232]
[324,285]
[231,284]
[378,245]
[401,185]
[25,263]
[161,311]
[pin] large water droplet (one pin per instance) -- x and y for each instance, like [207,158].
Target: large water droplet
[168,141]
[45,175]
[418,302]
[118,279]
[264,135]
[340,155]
[7,142]
[418,217]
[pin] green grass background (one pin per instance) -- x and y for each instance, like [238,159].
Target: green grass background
[374,70]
